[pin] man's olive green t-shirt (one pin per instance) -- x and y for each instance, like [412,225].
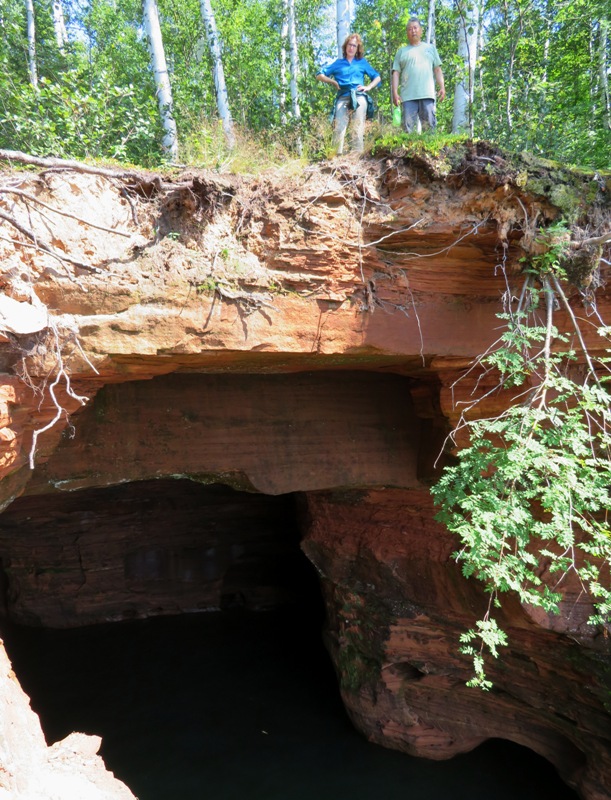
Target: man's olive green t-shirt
[415,64]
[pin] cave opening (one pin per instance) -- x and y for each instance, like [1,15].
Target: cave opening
[241,701]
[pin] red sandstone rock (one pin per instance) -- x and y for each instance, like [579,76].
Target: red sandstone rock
[398,605]
[312,332]
[29,770]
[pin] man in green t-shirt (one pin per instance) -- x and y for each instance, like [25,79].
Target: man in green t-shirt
[414,71]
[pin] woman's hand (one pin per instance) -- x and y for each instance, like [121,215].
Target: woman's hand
[331,81]
[371,85]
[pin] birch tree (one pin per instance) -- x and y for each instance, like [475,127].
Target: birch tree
[284,37]
[294,61]
[59,25]
[162,80]
[31,24]
[294,87]
[220,87]
[468,23]
[513,36]
[342,10]
[603,68]
[430,26]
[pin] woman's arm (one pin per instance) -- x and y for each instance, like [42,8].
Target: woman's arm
[331,81]
[373,75]
[371,85]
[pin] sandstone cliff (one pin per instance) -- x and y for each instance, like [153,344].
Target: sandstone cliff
[283,334]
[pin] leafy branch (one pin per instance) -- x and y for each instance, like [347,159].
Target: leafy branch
[529,498]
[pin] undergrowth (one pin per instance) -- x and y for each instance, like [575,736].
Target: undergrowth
[415,144]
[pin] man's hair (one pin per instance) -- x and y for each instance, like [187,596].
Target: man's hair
[360,50]
[413,19]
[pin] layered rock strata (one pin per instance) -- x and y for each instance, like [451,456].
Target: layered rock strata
[306,340]
[398,604]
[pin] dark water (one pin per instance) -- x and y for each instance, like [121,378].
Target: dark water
[240,706]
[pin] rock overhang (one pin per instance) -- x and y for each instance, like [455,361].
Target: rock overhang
[375,284]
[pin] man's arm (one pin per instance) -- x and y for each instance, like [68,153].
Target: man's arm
[395,88]
[440,82]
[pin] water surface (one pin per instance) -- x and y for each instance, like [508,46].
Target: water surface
[239,705]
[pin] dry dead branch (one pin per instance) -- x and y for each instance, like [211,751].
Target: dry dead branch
[43,247]
[152,181]
[15,156]
[596,240]
[27,196]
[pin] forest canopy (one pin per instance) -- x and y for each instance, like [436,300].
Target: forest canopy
[84,79]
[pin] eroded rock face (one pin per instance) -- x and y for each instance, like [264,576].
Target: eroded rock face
[397,606]
[302,335]
[268,433]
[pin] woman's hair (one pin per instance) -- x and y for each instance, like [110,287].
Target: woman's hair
[360,50]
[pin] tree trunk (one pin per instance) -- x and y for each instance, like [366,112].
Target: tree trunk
[514,37]
[342,9]
[59,25]
[220,88]
[604,72]
[284,37]
[296,111]
[430,27]
[294,61]
[468,23]
[29,7]
[482,91]
[162,80]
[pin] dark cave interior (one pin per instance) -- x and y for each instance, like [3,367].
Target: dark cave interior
[239,699]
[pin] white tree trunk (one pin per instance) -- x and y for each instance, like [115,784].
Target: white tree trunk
[604,71]
[295,110]
[284,35]
[342,9]
[468,24]
[294,61]
[29,7]
[220,88]
[59,24]
[162,80]
[430,28]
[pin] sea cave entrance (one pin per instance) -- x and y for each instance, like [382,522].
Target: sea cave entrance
[239,700]
[150,548]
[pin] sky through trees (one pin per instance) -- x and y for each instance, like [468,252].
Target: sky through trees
[77,77]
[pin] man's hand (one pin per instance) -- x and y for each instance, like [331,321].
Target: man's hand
[441,92]
[394,85]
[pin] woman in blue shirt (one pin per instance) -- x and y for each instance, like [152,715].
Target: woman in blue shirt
[347,75]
